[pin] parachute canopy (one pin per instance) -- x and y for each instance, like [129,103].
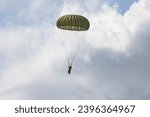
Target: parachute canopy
[73,22]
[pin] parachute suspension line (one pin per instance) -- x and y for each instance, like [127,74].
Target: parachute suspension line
[65,52]
[77,50]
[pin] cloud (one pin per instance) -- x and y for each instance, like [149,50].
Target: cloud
[113,61]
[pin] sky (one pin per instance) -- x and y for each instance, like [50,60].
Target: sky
[113,62]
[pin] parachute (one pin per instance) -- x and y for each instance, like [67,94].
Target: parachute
[73,22]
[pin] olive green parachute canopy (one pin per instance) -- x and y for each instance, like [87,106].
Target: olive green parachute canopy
[73,22]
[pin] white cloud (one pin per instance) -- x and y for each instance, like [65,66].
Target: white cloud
[138,15]
[29,54]
[108,30]
[113,62]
